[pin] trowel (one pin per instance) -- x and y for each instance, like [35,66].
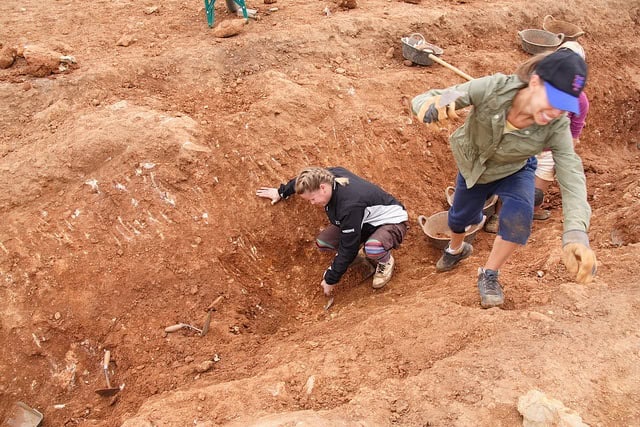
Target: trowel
[109,391]
[202,332]
[367,274]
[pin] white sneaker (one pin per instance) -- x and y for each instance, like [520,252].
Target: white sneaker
[383,274]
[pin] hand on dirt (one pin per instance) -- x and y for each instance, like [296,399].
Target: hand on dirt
[269,193]
[581,261]
[327,288]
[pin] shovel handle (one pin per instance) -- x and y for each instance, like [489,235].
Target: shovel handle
[107,358]
[445,64]
[207,322]
[105,367]
[174,328]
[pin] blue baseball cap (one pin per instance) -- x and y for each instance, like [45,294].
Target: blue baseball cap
[564,74]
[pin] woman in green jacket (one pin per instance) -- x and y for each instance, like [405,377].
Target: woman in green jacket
[514,117]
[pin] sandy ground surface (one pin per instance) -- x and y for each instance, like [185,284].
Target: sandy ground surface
[127,184]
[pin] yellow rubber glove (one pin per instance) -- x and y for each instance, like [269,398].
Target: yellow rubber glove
[578,256]
[439,107]
[431,111]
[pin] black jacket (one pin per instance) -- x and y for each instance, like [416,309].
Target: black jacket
[358,208]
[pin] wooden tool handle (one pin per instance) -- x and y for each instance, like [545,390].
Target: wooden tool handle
[107,358]
[174,328]
[207,322]
[451,67]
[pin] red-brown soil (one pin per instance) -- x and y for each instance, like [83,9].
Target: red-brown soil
[127,195]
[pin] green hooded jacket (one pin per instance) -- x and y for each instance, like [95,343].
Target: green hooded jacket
[484,153]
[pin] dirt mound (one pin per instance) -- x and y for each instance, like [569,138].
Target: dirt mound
[127,191]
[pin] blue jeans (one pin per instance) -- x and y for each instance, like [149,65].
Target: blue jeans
[516,193]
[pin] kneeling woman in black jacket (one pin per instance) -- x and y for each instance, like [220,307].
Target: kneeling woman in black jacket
[360,213]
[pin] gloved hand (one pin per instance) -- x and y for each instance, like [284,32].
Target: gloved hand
[578,256]
[436,108]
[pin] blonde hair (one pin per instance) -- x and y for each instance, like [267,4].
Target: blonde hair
[309,179]
[528,68]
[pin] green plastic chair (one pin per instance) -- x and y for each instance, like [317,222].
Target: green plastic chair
[208,7]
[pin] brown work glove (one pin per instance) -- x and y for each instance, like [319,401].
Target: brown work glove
[436,108]
[578,257]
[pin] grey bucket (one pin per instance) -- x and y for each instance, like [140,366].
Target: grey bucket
[417,50]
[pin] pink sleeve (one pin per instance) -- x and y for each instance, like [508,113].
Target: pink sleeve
[578,120]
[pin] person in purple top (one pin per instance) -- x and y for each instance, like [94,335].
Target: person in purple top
[545,172]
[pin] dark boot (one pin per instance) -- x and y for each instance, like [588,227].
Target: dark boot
[490,290]
[449,261]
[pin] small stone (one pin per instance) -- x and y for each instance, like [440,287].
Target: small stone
[150,10]
[228,28]
[390,52]
[348,4]
[308,387]
[407,63]
[279,389]
[340,70]
[7,56]
[539,410]
[534,315]
[126,40]
[57,316]
[204,366]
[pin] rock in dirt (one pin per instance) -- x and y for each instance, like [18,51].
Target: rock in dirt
[390,52]
[270,1]
[278,389]
[204,366]
[534,315]
[348,4]
[228,28]
[7,56]
[41,61]
[137,422]
[125,40]
[308,387]
[538,410]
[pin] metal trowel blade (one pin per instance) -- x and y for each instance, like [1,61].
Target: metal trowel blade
[329,303]
[106,392]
